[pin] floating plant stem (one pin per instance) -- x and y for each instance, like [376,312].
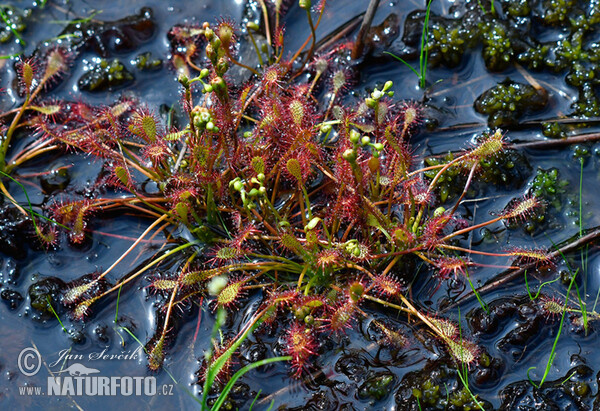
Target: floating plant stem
[134,245]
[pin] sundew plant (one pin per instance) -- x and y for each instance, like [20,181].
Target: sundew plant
[314,202]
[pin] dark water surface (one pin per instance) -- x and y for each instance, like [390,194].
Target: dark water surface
[515,340]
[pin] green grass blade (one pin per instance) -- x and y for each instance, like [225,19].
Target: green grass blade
[539,288]
[10,26]
[55,314]
[31,212]
[562,320]
[254,401]
[214,369]
[118,299]
[424,49]
[404,62]
[240,373]
[481,302]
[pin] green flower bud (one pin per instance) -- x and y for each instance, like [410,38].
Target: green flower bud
[304,4]
[218,84]
[238,185]
[225,34]
[183,80]
[371,103]
[349,155]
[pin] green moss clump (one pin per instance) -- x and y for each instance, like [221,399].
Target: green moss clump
[534,57]
[554,129]
[45,292]
[508,101]
[463,400]
[428,394]
[106,75]
[497,46]
[144,61]
[548,186]
[587,103]
[556,11]
[516,8]
[12,18]
[506,169]
[376,386]
[447,44]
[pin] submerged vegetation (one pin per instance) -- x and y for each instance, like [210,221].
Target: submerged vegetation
[276,184]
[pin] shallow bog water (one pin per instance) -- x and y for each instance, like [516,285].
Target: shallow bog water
[512,337]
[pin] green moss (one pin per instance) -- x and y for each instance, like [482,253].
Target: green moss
[587,103]
[447,44]
[44,292]
[15,19]
[376,386]
[106,75]
[497,46]
[556,11]
[511,36]
[507,169]
[554,130]
[517,8]
[508,101]
[534,57]
[144,61]
[463,400]
[430,393]
[581,151]
[549,187]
